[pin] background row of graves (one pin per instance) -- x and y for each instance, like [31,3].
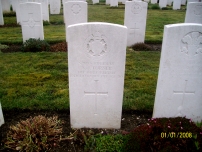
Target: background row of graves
[183,41]
[76,12]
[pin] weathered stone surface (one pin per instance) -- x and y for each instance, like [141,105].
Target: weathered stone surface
[1,15]
[194,13]
[55,6]
[1,116]
[96,66]
[162,3]
[176,4]
[5,5]
[179,90]
[31,20]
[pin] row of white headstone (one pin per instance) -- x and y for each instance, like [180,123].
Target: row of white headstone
[96,59]
[96,66]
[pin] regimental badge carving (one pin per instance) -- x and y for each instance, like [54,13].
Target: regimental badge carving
[31,22]
[198,10]
[191,43]
[76,8]
[96,45]
[136,8]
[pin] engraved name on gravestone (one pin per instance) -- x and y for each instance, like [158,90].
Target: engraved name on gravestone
[96,64]
[135,20]
[1,116]
[194,13]
[55,6]
[31,21]
[75,12]
[179,90]
[1,15]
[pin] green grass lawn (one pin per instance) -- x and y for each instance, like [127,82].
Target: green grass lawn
[40,80]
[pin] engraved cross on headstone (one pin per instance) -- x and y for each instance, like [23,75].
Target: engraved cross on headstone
[95,93]
[132,30]
[184,92]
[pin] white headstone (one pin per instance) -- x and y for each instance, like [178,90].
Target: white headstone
[18,10]
[162,3]
[95,1]
[31,20]
[96,64]
[75,12]
[5,5]
[114,3]
[189,1]
[153,1]
[55,6]
[169,2]
[147,1]
[183,2]
[176,4]
[45,9]
[179,90]
[1,15]
[107,2]
[194,13]
[1,116]
[135,20]
[14,4]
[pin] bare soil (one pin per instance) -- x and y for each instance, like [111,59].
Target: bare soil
[130,120]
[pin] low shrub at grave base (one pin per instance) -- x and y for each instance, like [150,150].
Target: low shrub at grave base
[9,14]
[35,45]
[141,47]
[34,134]
[165,134]
[155,6]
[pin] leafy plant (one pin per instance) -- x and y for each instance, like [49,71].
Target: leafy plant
[155,6]
[34,134]
[35,45]
[165,134]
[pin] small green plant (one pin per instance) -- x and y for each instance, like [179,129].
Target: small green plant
[35,45]
[9,14]
[141,47]
[46,23]
[34,134]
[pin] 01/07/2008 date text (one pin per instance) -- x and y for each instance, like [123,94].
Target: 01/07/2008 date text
[176,135]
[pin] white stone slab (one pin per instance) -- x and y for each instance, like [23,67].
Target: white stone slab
[179,90]
[5,5]
[124,1]
[96,64]
[31,20]
[113,3]
[55,6]
[147,1]
[45,9]
[183,2]
[95,1]
[1,116]
[14,4]
[176,4]
[162,3]
[135,20]
[75,12]
[169,2]
[18,10]
[107,2]
[1,15]
[189,1]
[194,13]
[153,1]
